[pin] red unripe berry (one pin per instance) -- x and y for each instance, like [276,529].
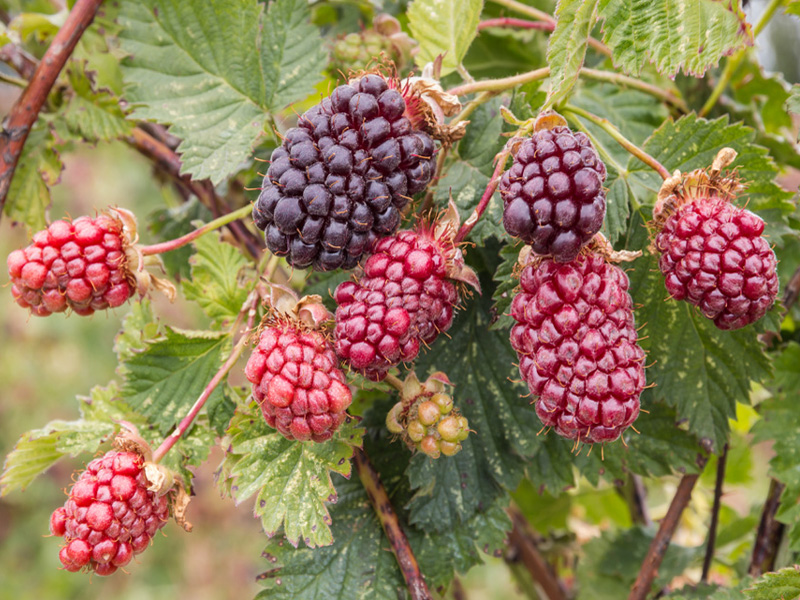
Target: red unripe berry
[297,381]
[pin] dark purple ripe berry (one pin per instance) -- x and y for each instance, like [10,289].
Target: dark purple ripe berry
[341,177]
[553,193]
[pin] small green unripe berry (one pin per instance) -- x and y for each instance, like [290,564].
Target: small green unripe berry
[428,412]
[449,448]
[444,401]
[430,446]
[416,431]
[463,424]
[449,428]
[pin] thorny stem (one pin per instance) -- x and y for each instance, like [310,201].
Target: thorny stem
[200,231]
[660,544]
[166,158]
[473,219]
[769,534]
[712,528]
[249,308]
[632,148]
[379,499]
[23,115]
[521,539]
[512,22]
[734,61]
[505,83]
[539,15]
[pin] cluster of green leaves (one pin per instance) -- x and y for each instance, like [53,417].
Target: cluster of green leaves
[220,75]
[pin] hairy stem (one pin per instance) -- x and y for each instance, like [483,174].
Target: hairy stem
[169,162]
[521,539]
[395,382]
[506,83]
[23,115]
[249,308]
[660,544]
[769,534]
[632,148]
[734,61]
[712,528]
[519,23]
[473,219]
[200,231]
[379,499]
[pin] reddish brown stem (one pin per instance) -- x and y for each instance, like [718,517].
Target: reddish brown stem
[473,219]
[769,534]
[658,548]
[520,23]
[379,499]
[712,528]
[169,162]
[19,60]
[26,109]
[521,539]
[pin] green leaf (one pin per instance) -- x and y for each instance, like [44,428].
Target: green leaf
[291,480]
[780,585]
[213,69]
[793,102]
[163,381]
[215,282]
[39,168]
[466,184]
[506,284]
[612,561]
[170,223]
[672,34]
[567,47]
[92,114]
[191,450]
[139,327]
[444,27]
[482,140]
[706,591]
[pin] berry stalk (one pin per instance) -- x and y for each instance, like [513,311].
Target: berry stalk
[512,22]
[712,528]
[250,308]
[473,219]
[521,538]
[25,111]
[200,231]
[409,567]
[632,148]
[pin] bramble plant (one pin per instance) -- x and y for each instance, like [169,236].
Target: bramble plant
[495,275]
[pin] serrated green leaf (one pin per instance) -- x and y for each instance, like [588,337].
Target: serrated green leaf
[215,283]
[466,184]
[567,47]
[164,380]
[37,450]
[506,284]
[213,69]
[139,327]
[39,168]
[691,35]
[482,140]
[444,27]
[705,591]
[780,585]
[291,480]
[611,563]
[92,114]
[793,102]
[191,450]
[170,223]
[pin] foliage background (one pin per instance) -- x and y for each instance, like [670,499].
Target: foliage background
[45,363]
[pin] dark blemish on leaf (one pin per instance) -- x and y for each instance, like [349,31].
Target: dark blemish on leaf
[342,461]
[155,12]
[263,503]
[332,498]
[268,575]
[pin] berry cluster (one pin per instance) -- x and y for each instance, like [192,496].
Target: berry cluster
[713,255]
[340,178]
[110,515]
[576,342]
[79,265]
[403,299]
[297,382]
[384,41]
[553,193]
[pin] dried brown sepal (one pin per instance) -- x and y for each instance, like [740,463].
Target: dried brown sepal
[548,119]
[129,440]
[179,504]
[445,227]
[600,245]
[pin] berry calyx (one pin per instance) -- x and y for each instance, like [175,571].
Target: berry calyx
[404,299]
[425,417]
[79,265]
[553,193]
[713,253]
[111,514]
[296,379]
[577,346]
[341,177]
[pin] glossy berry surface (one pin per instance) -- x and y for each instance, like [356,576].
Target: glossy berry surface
[403,300]
[713,255]
[339,180]
[110,516]
[576,342]
[297,382]
[79,265]
[553,193]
